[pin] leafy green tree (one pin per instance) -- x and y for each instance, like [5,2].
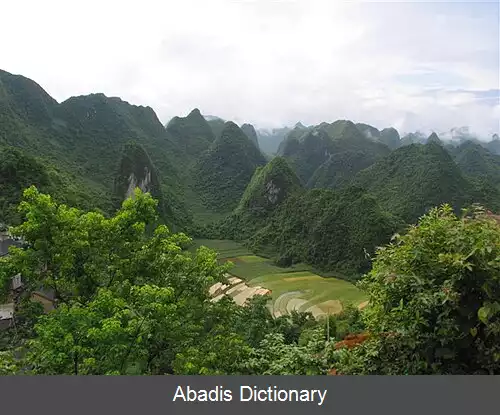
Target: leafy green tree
[434,300]
[275,357]
[8,363]
[127,300]
[348,321]
[110,335]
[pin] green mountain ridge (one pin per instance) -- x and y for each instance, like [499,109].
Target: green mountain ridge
[94,148]
[414,178]
[192,133]
[434,138]
[217,126]
[223,172]
[340,168]
[325,142]
[390,137]
[83,136]
[250,132]
[330,230]
[268,189]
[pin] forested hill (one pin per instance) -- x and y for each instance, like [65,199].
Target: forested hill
[250,132]
[342,199]
[223,172]
[413,179]
[83,138]
[307,149]
[267,191]
[192,133]
[88,150]
[375,196]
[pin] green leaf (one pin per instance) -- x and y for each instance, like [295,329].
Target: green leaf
[483,314]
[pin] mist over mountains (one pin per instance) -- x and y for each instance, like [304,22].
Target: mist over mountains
[211,176]
[304,210]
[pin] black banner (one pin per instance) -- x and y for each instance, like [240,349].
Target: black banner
[422,395]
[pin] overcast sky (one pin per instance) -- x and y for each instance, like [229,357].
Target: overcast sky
[425,65]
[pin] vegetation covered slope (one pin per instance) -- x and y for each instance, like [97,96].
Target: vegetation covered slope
[414,178]
[83,138]
[216,125]
[250,132]
[324,142]
[26,99]
[494,144]
[329,230]
[291,140]
[270,186]
[137,171]
[26,113]
[390,137]
[434,138]
[340,168]
[223,172]
[192,133]
[97,128]
[477,162]
[18,171]
[482,168]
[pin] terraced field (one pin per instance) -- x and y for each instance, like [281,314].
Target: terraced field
[295,288]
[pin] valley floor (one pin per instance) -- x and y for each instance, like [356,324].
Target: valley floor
[294,288]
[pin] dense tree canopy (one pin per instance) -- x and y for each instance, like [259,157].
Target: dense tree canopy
[434,300]
[129,297]
[223,172]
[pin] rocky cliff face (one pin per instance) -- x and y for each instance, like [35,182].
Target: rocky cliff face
[270,186]
[136,171]
[143,183]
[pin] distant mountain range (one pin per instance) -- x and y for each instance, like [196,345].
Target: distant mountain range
[332,194]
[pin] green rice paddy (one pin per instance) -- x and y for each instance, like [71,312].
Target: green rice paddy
[294,288]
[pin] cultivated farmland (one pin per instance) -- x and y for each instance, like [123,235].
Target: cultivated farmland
[294,288]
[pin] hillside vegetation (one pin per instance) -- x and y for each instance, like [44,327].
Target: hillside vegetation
[225,169]
[193,133]
[133,302]
[250,132]
[413,179]
[308,149]
[83,138]
[329,230]
[103,196]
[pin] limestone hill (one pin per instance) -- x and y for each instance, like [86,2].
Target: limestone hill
[250,132]
[325,142]
[413,179]
[223,172]
[192,133]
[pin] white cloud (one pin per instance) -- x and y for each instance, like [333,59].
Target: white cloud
[266,62]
